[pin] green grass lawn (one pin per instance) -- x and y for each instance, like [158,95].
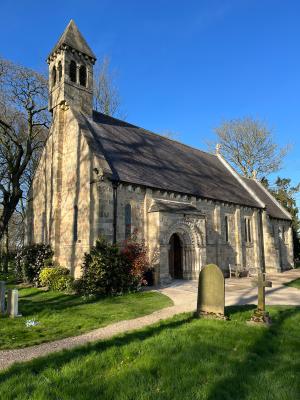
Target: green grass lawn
[181,358]
[61,315]
[295,283]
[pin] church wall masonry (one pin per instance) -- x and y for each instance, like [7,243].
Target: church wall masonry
[61,192]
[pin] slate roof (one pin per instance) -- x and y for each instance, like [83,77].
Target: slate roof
[272,207]
[73,38]
[140,157]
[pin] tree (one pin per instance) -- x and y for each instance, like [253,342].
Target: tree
[249,145]
[23,128]
[285,194]
[106,94]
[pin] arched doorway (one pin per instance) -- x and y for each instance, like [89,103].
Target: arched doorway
[175,257]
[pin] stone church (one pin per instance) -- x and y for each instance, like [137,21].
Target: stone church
[101,176]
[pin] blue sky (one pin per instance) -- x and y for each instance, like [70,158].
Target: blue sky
[182,66]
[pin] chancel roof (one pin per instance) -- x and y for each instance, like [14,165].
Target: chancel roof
[274,209]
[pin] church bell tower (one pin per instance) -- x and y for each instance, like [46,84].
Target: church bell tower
[71,72]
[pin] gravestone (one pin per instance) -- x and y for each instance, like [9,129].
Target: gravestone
[2,297]
[211,292]
[12,303]
[260,315]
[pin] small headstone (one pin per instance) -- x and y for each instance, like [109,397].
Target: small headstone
[211,292]
[260,315]
[12,303]
[2,297]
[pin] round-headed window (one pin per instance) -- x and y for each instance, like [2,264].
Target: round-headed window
[82,75]
[72,72]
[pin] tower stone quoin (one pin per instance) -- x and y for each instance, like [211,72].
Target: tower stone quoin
[71,72]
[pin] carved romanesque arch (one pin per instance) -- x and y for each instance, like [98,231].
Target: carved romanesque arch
[191,231]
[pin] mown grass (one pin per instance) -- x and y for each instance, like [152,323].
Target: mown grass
[61,315]
[295,283]
[181,358]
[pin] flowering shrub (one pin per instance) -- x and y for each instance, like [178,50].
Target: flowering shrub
[56,278]
[30,260]
[107,270]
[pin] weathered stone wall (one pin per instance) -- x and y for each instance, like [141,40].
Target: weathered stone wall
[278,244]
[61,183]
[135,196]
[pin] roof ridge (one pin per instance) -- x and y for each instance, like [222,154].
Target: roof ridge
[238,177]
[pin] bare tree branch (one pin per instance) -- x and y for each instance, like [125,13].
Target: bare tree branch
[23,128]
[249,145]
[106,94]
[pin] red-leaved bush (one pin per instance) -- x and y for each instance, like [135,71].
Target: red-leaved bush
[110,270]
[136,253]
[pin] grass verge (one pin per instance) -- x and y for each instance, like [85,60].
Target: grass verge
[181,358]
[295,283]
[61,315]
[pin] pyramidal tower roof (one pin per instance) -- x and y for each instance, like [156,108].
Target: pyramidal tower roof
[73,38]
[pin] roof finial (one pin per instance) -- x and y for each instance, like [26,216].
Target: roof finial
[254,174]
[218,148]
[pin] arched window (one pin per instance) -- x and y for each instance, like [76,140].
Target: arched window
[75,224]
[127,221]
[226,229]
[82,75]
[72,72]
[248,230]
[59,71]
[53,75]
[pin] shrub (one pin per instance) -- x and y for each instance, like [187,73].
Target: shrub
[56,278]
[108,271]
[30,260]
[136,253]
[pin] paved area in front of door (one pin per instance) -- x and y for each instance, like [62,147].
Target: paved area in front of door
[239,291]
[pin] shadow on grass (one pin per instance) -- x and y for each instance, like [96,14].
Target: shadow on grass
[51,301]
[58,301]
[262,356]
[58,360]
[232,310]
[189,366]
[294,283]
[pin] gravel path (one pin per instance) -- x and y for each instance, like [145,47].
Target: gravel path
[183,294]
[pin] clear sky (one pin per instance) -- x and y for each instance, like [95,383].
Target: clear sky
[183,66]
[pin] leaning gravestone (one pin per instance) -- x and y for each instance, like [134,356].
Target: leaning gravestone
[2,297]
[12,303]
[211,292]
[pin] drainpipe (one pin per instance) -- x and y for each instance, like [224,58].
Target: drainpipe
[115,185]
[262,247]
